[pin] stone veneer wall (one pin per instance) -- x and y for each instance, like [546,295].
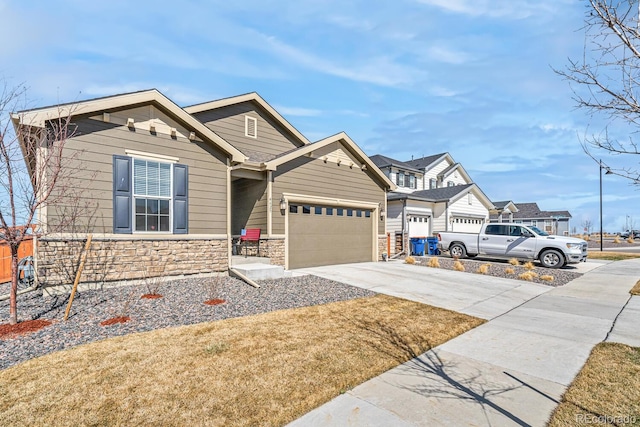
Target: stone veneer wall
[270,248]
[382,247]
[113,259]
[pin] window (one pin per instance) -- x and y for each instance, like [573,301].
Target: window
[450,184]
[293,209]
[412,181]
[306,209]
[349,212]
[149,196]
[359,213]
[329,211]
[250,127]
[318,210]
[534,222]
[500,230]
[367,214]
[339,211]
[433,184]
[152,195]
[400,179]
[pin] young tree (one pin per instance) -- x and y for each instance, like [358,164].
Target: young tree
[587,225]
[31,173]
[605,81]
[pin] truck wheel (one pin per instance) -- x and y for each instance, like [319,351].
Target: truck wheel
[551,259]
[457,250]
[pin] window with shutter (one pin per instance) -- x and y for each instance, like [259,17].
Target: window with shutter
[150,196]
[433,184]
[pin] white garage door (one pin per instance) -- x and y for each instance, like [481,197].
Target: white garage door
[466,224]
[325,235]
[419,226]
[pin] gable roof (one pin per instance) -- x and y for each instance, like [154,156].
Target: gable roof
[443,194]
[256,99]
[339,137]
[425,162]
[39,116]
[384,161]
[506,204]
[532,211]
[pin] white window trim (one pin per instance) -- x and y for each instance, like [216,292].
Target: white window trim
[248,119]
[153,158]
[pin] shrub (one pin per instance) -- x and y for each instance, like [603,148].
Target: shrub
[533,274]
[410,260]
[630,239]
[586,238]
[529,265]
[526,276]
[509,270]
[616,240]
[514,261]
[483,269]
[547,278]
[458,266]
[434,263]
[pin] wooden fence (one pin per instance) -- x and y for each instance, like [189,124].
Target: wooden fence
[25,249]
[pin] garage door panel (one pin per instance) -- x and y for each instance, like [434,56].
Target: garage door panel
[329,239]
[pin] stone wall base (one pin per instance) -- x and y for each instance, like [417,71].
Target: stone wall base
[115,260]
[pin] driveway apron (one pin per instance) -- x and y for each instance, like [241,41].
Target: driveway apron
[511,370]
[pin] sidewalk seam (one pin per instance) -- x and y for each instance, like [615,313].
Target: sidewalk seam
[616,318]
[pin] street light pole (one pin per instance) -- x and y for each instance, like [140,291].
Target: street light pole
[600,161]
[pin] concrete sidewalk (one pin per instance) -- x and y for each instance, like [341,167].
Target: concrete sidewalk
[512,370]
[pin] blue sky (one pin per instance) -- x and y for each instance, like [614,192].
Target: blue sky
[403,78]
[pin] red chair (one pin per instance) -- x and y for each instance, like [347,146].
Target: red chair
[250,235]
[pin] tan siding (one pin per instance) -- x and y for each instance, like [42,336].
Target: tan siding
[313,177]
[229,123]
[249,205]
[394,217]
[96,142]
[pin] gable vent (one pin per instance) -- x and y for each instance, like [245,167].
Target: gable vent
[250,127]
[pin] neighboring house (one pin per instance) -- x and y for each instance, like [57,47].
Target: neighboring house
[503,211]
[553,222]
[444,198]
[173,187]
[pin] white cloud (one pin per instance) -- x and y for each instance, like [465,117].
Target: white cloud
[513,9]
[447,55]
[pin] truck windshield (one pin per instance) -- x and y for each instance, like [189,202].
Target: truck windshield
[538,231]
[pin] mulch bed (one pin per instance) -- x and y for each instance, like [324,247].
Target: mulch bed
[22,328]
[215,301]
[181,304]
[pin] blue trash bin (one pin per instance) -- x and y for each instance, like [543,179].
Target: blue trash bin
[417,245]
[432,246]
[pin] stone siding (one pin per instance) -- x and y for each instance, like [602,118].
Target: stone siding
[269,248]
[382,247]
[110,260]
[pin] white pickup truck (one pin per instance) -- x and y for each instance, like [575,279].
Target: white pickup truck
[503,240]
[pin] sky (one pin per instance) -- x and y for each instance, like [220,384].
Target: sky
[403,78]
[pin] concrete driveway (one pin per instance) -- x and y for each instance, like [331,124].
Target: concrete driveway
[510,371]
[481,296]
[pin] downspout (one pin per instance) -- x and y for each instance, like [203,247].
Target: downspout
[446,216]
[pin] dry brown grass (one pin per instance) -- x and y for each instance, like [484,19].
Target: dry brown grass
[458,266]
[410,260]
[434,263]
[636,289]
[586,238]
[529,265]
[607,386]
[616,240]
[510,270]
[483,269]
[514,261]
[267,369]
[630,240]
[547,278]
[527,275]
[612,256]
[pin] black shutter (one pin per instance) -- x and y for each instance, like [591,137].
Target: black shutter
[122,194]
[180,199]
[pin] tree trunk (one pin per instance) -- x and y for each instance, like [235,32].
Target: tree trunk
[13,301]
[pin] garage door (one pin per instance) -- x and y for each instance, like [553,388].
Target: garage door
[466,224]
[325,235]
[419,226]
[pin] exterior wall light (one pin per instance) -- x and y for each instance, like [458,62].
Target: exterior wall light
[283,205]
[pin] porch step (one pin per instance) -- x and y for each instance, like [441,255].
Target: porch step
[241,259]
[259,271]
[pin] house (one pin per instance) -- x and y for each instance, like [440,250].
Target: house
[173,187]
[553,222]
[433,194]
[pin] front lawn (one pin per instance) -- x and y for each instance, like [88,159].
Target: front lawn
[605,392]
[267,369]
[611,255]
